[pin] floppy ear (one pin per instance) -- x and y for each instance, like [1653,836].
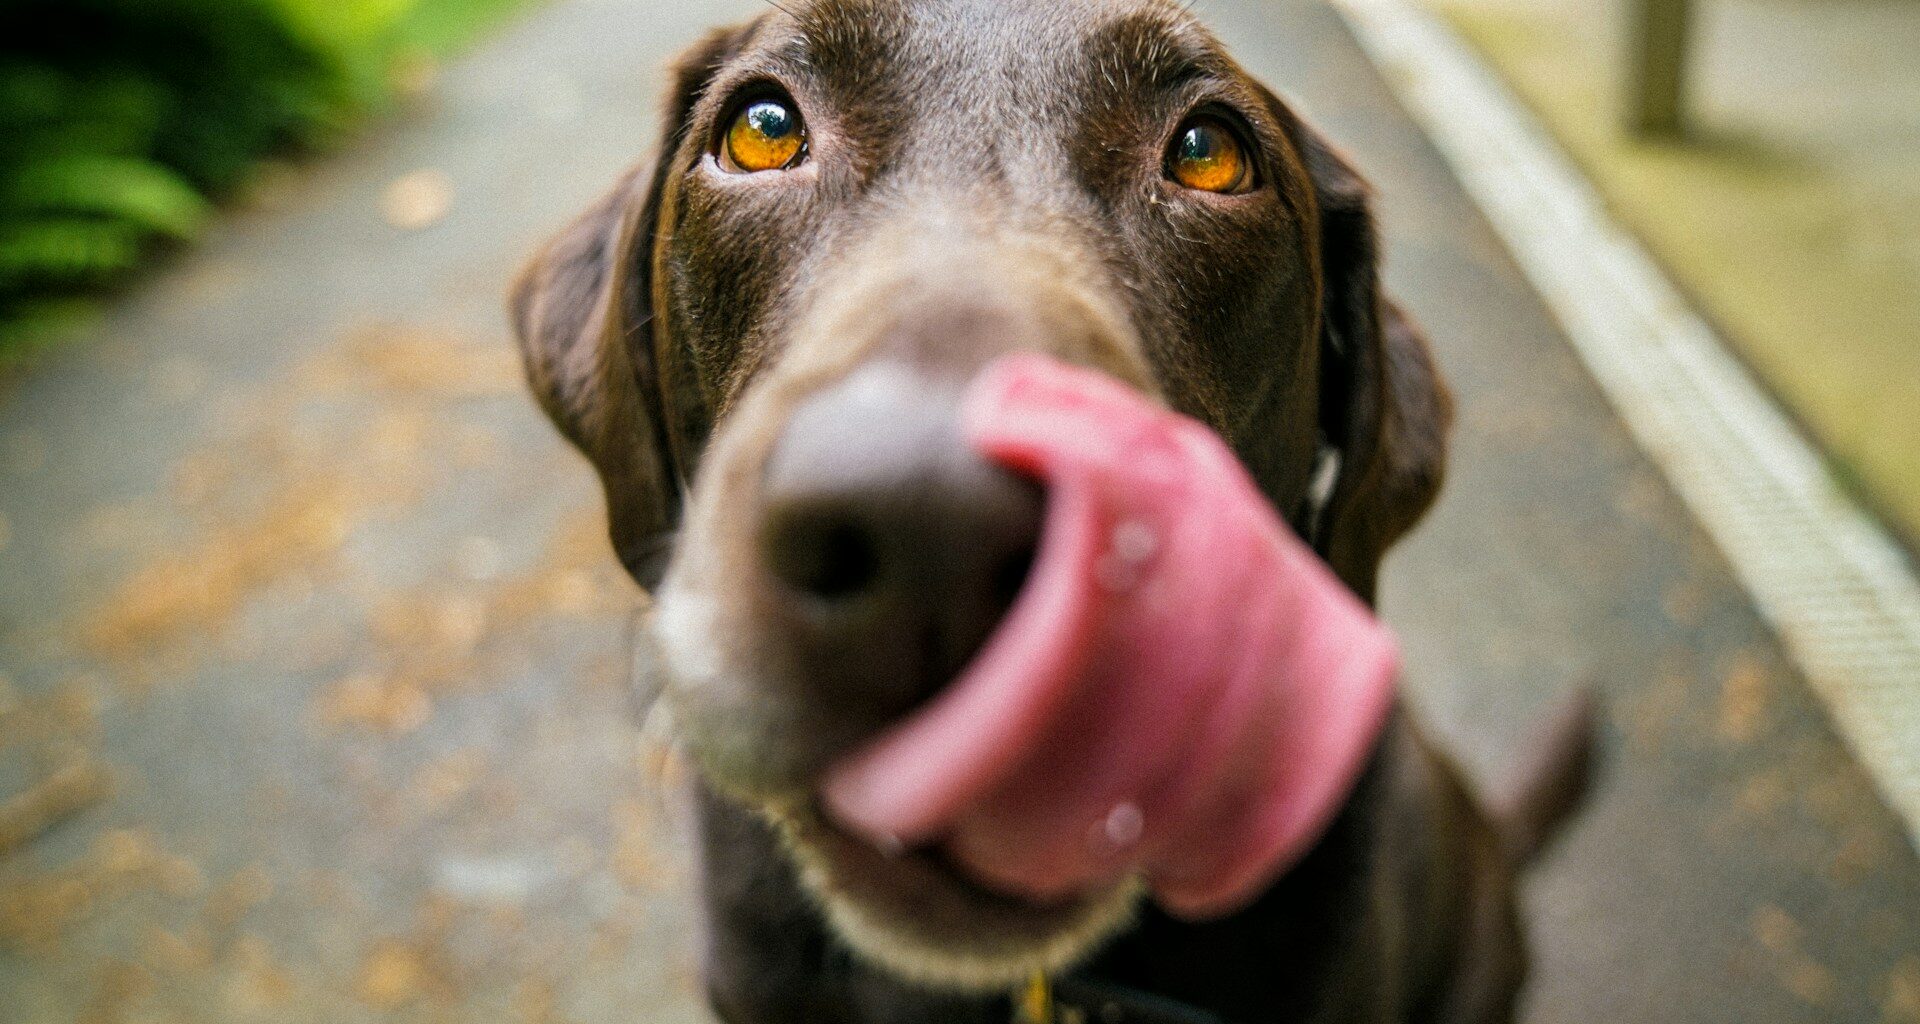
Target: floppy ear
[1385,412]
[582,310]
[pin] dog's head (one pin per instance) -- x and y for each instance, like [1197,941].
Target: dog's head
[760,340]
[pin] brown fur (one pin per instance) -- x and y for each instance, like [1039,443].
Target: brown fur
[985,176]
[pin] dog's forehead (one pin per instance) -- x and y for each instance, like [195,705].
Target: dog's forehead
[1032,21]
[979,48]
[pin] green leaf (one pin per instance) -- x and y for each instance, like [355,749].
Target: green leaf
[66,251]
[135,190]
[346,23]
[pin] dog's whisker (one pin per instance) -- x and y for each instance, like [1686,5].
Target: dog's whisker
[643,686]
[644,682]
[655,732]
[639,325]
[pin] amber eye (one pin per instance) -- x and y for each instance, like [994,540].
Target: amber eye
[766,135]
[1207,156]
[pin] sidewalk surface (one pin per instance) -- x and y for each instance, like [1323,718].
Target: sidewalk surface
[1791,214]
[288,552]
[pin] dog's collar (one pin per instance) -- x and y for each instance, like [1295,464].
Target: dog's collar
[1092,1001]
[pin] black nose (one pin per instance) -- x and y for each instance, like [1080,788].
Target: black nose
[892,547]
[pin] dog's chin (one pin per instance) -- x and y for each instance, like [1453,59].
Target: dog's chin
[907,913]
[913,915]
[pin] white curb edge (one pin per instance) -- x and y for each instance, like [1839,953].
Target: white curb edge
[1837,590]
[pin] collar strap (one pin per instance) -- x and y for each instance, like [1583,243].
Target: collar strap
[1101,1002]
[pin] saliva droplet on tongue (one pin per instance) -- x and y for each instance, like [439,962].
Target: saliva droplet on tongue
[1119,830]
[1130,547]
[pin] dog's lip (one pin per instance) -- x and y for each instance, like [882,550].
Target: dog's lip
[917,913]
[924,859]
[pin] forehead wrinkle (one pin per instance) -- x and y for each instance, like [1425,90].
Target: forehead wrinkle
[840,30]
[841,43]
[1157,48]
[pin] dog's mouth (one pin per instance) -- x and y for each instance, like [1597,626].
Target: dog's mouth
[921,915]
[1178,700]
[1182,688]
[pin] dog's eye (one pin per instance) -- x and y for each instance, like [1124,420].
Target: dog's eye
[1207,156]
[766,135]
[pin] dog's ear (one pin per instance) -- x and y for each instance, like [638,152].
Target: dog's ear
[582,310]
[1385,412]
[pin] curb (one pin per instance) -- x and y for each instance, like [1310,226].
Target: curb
[1831,583]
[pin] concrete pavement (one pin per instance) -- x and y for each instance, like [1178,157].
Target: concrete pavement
[293,559]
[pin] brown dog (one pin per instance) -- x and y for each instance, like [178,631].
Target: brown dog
[759,342]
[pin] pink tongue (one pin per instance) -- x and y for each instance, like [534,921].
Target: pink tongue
[1182,689]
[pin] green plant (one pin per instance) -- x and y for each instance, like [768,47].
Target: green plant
[123,121]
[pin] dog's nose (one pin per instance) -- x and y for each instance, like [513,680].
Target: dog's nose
[894,548]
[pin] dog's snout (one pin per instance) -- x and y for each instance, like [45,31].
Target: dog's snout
[895,549]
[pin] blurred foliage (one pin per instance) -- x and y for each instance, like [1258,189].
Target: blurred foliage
[122,121]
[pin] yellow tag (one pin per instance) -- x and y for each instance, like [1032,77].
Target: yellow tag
[1035,1002]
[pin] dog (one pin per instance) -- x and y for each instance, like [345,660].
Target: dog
[759,340]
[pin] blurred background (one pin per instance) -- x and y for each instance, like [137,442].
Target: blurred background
[1768,152]
[125,122]
[314,660]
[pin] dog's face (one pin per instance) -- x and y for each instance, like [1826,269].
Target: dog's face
[761,339]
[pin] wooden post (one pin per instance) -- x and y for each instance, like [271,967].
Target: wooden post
[1657,76]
